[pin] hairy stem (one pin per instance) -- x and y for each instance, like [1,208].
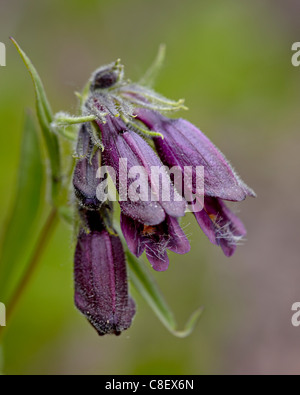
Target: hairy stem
[44,237]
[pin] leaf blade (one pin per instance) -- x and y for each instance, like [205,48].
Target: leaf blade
[151,74]
[145,285]
[22,222]
[45,117]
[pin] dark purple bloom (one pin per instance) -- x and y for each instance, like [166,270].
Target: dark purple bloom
[122,143]
[157,181]
[101,288]
[85,181]
[156,240]
[185,145]
[220,225]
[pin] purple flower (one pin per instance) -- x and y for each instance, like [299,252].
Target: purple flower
[220,225]
[121,143]
[84,178]
[156,240]
[152,199]
[185,145]
[101,289]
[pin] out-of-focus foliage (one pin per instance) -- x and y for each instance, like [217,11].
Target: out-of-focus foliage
[231,61]
[20,231]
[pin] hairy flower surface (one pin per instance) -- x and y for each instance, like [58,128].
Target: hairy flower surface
[85,180]
[122,143]
[129,150]
[156,240]
[101,288]
[125,130]
[185,145]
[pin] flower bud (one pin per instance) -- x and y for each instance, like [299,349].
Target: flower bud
[101,286]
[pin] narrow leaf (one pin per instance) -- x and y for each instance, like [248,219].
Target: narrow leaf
[19,231]
[39,88]
[144,283]
[152,73]
[1,361]
[45,117]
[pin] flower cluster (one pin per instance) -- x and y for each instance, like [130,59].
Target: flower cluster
[127,122]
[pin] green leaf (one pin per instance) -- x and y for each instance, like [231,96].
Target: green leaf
[152,73]
[45,117]
[29,194]
[145,285]
[1,360]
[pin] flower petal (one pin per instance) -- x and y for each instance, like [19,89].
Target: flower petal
[121,143]
[155,239]
[220,225]
[178,242]
[101,288]
[84,178]
[132,231]
[186,145]
[160,263]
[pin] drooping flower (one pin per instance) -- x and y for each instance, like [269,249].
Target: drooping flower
[128,137]
[156,240]
[124,151]
[185,145]
[124,111]
[85,180]
[101,288]
[221,225]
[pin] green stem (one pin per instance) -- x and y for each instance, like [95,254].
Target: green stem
[65,120]
[44,237]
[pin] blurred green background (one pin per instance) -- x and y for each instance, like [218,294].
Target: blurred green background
[231,60]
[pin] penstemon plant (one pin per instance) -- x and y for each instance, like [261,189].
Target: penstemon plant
[122,138]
